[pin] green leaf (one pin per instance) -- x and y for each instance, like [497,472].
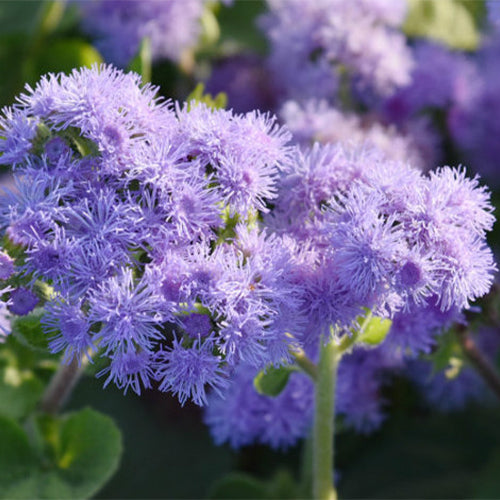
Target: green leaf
[238,486]
[238,26]
[28,330]
[272,380]
[283,485]
[75,456]
[447,349]
[64,55]
[20,392]
[210,30]
[87,448]
[447,21]
[142,62]
[489,484]
[375,331]
[17,460]
[197,96]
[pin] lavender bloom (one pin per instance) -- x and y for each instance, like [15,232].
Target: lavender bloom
[415,142]
[415,330]
[18,133]
[459,384]
[119,27]
[361,377]
[493,8]
[244,416]
[7,266]
[185,371]
[70,329]
[148,222]
[308,38]
[472,120]
[22,301]
[125,208]
[5,326]
[430,86]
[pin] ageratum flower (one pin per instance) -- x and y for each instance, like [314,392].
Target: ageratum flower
[311,39]
[126,206]
[119,26]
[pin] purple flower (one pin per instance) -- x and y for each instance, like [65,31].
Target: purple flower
[7,267]
[129,368]
[242,416]
[19,131]
[119,26]
[129,312]
[22,301]
[186,371]
[308,38]
[414,141]
[70,329]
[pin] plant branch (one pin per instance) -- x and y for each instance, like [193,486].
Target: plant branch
[479,360]
[62,384]
[304,363]
[324,420]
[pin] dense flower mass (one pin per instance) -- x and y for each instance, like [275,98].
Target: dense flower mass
[119,26]
[128,207]
[311,39]
[191,247]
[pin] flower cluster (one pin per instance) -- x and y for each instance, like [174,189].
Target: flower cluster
[128,207]
[119,26]
[378,234]
[191,247]
[311,39]
[415,142]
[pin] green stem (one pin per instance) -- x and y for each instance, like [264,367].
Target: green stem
[304,363]
[61,385]
[348,341]
[324,418]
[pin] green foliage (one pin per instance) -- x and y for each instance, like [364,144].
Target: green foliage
[451,22]
[64,55]
[28,330]
[68,457]
[238,485]
[142,62]
[238,26]
[272,380]
[20,392]
[375,331]
[421,455]
[448,349]
[17,460]
[198,96]
[19,17]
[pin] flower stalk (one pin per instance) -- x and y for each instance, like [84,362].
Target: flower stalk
[324,420]
[62,384]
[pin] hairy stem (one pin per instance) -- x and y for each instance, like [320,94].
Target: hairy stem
[324,418]
[479,360]
[61,385]
[304,363]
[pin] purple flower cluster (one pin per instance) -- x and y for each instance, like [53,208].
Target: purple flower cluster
[129,209]
[191,247]
[473,119]
[370,233]
[119,26]
[311,39]
[415,141]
